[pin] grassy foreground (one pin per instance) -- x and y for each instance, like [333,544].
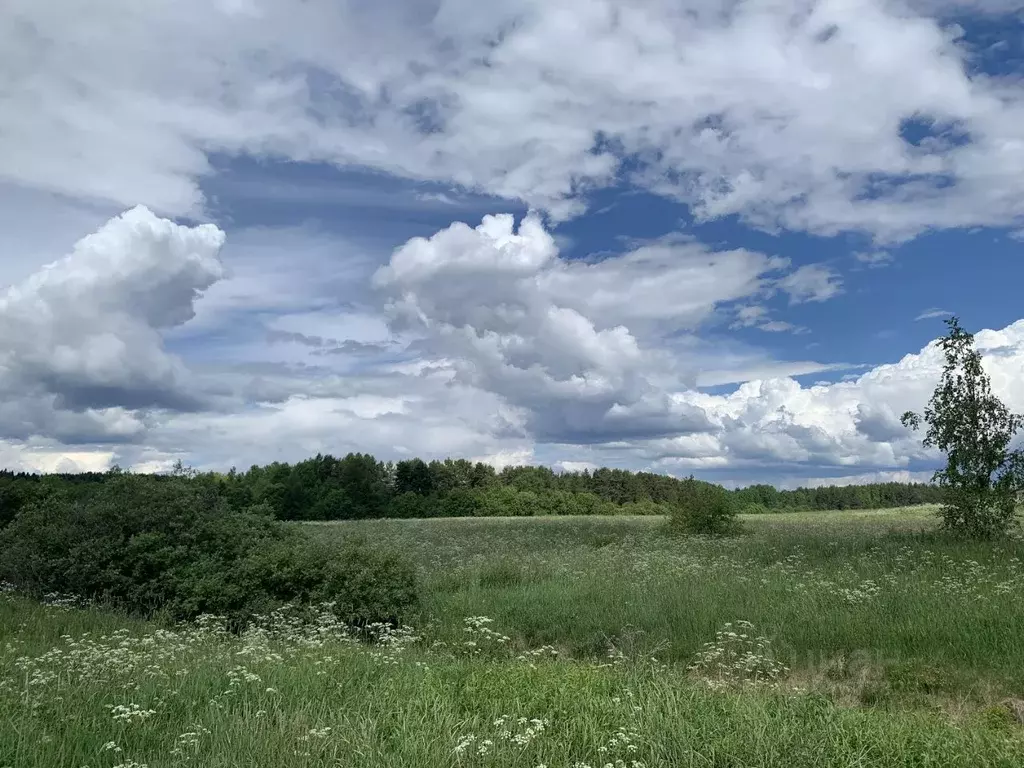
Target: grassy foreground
[853,597]
[562,643]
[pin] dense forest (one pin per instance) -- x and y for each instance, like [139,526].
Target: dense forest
[359,486]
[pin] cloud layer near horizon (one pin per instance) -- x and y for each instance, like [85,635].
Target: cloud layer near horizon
[506,350]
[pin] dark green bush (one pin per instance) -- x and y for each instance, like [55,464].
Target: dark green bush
[178,548]
[704,508]
[366,585]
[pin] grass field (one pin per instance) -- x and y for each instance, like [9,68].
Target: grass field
[856,639]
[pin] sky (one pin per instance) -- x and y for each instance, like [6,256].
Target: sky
[715,237]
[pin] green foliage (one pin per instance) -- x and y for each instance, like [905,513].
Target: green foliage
[177,547]
[458,502]
[315,696]
[364,584]
[982,478]
[644,507]
[502,573]
[140,544]
[410,505]
[335,702]
[10,502]
[704,508]
[821,586]
[413,476]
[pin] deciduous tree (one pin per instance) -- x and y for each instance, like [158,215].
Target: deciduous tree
[982,478]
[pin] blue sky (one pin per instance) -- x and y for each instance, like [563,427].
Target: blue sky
[697,237]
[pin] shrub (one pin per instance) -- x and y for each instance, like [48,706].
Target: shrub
[705,509]
[176,547]
[365,585]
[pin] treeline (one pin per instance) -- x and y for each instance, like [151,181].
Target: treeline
[358,486]
[765,498]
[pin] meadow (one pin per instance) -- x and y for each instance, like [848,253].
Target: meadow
[814,639]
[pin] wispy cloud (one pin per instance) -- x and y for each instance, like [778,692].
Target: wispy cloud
[436,197]
[756,316]
[930,314]
[811,282]
[874,258]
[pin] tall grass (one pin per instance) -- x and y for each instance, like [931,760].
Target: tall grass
[562,643]
[824,587]
[149,697]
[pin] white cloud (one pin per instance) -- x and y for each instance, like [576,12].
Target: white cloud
[578,345]
[509,352]
[729,369]
[811,282]
[756,316]
[874,258]
[501,459]
[788,114]
[931,314]
[83,368]
[20,457]
[575,466]
[437,197]
[866,478]
[36,229]
[84,334]
[425,417]
[779,423]
[994,7]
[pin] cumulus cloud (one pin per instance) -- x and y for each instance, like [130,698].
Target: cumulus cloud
[771,428]
[81,341]
[42,457]
[778,423]
[786,114]
[508,349]
[575,344]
